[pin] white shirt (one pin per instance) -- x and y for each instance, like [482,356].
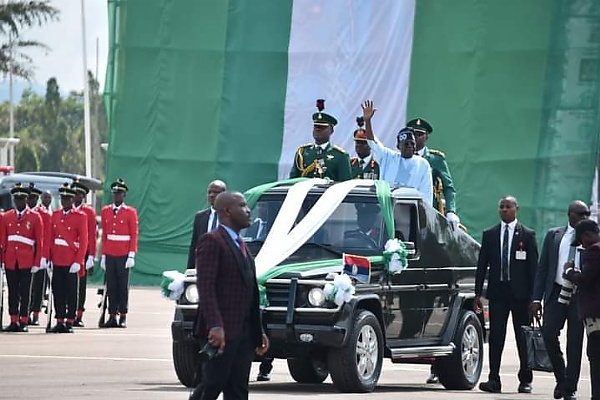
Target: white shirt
[511,233]
[323,146]
[399,171]
[365,161]
[213,215]
[563,254]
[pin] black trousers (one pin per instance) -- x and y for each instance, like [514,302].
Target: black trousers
[228,373]
[64,289]
[499,309]
[593,353]
[38,288]
[555,316]
[266,366]
[82,290]
[117,284]
[19,286]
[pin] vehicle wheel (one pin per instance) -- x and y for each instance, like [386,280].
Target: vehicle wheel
[356,366]
[307,370]
[186,361]
[462,369]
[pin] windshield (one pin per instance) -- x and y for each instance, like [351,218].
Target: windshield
[355,227]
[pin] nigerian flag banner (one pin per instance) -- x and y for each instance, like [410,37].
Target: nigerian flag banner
[198,90]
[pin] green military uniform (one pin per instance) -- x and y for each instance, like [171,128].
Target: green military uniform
[325,160]
[313,162]
[442,180]
[361,171]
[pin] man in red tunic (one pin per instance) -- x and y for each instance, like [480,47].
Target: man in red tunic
[80,192]
[119,245]
[38,284]
[69,237]
[22,251]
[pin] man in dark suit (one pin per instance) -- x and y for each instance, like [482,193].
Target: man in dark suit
[556,251]
[228,307]
[205,220]
[508,257]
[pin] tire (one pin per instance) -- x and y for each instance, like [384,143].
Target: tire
[186,361]
[462,369]
[353,370]
[307,370]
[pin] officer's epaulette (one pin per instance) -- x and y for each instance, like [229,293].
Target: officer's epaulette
[338,148]
[437,152]
[306,145]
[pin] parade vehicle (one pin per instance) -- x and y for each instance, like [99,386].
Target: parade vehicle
[349,274]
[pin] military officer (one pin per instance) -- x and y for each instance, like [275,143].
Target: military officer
[38,284]
[119,246]
[443,188]
[46,199]
[69,241]
[363,166]
[22,252]
[80,192]
[321,159]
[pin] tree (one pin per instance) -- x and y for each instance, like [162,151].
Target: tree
[14,16]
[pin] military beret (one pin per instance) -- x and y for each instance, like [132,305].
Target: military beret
[19,190]
[419,124]
[322,119]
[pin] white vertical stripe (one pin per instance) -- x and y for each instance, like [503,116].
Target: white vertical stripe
[347,51]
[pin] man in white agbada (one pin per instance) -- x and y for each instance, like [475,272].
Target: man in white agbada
[403,167]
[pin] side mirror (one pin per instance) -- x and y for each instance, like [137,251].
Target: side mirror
[410,246]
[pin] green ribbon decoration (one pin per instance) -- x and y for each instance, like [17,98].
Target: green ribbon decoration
[253,194]
[301,267]
[384,196]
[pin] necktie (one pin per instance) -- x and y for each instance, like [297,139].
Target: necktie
[213,224]
[504,276]
[243,248]
[115,209]
[319,150]
[361,163]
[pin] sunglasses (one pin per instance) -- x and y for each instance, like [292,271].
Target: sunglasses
[582,213]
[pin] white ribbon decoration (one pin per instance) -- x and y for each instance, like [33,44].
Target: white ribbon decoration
[341,290]
[284,244]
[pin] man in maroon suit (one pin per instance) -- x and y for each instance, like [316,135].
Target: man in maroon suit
[228,310]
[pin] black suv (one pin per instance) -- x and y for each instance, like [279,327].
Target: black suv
[421,315]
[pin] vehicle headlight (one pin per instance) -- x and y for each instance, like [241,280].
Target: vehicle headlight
[316,297]
[191,293]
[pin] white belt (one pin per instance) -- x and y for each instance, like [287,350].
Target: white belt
[22,239]
[63,242]
[118,238]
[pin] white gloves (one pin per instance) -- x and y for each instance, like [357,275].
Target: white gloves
[43,263]
[89,264]
[75,267]
[49,267]
[34,269]
[130,260]
[453,219]
[103,262]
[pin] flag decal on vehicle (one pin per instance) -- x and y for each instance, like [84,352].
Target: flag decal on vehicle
[358,267]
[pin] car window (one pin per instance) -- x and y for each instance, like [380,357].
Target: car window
[406,222]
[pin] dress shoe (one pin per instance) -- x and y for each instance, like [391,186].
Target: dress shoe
[35,320]
[78,323]
[59,328]
[558,391]
[433,378]
[570,396]
[111,323]
[23,328]
[68,328]
[13,327]
[491,386]
[262,377]
[122,322]
[525,388]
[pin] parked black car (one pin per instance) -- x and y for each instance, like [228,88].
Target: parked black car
[421,315]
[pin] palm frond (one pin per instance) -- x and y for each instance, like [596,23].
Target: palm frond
[19,14]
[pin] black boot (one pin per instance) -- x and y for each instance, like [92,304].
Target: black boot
[111,323]
[60,327]
[78,323]
[34,320]
[13,327]
[122,321]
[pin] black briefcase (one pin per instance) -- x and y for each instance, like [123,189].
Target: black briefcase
[537,355]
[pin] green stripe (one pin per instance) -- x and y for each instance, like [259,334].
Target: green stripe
[481,85]
[254,91]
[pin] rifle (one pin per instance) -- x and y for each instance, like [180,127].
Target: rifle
[49,305]
[102,305]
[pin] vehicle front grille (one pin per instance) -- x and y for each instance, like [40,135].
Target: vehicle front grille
[277,294]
